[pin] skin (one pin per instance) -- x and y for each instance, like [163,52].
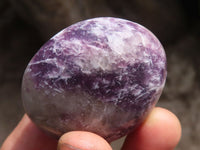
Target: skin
[160,131]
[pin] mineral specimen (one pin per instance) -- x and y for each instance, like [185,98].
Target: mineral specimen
[102,75]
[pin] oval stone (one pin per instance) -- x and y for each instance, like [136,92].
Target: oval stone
[102,75]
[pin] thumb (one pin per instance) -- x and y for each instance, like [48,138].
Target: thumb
[82,140]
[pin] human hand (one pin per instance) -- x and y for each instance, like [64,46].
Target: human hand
[160,131]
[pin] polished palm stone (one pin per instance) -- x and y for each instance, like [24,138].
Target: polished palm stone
[102,75]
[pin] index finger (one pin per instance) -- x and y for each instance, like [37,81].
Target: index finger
[26,136]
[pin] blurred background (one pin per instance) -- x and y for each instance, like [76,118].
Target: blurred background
[26,24]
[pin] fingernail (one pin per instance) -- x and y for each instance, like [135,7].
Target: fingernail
[65,146]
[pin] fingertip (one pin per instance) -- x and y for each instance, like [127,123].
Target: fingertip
[82,140]
[167,123]
[161,130]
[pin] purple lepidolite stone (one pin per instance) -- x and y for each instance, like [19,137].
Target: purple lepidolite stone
[101,75]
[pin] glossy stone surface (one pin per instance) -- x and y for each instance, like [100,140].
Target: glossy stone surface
[102,75]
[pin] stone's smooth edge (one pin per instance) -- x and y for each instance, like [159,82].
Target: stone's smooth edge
[91,62]
[57,59]
[149,40]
